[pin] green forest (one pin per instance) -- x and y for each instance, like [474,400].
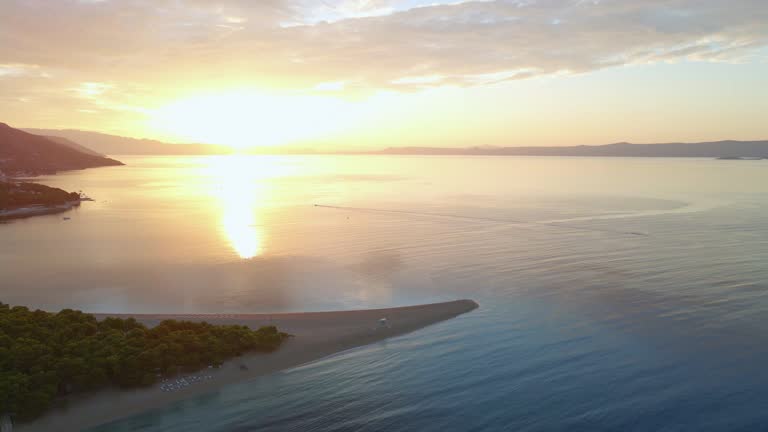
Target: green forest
[44,356]
[25,194]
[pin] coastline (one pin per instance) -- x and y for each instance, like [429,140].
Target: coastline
[37,210]
[315,335]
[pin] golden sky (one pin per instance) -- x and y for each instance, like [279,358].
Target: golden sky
[347,74]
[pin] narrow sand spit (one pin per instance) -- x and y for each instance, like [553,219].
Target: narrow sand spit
[316,335]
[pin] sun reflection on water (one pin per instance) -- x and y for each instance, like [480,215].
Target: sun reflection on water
[242,184]
[238,222]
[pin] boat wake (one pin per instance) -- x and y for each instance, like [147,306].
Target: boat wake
[521,223]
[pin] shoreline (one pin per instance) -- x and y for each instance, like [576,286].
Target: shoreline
[37,210]
[316,335]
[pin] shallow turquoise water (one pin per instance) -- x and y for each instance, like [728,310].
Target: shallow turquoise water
[577,330]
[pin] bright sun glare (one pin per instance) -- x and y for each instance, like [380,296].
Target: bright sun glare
[251,118]
[243,186]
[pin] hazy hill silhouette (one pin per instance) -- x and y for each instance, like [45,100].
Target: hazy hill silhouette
[71,144]
[101,143]
[715,149]
[25,153]
[118,145]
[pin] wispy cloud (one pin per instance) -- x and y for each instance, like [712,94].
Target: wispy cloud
[91,90]
[9,70]
[374,43]
[475,39]
[127,56]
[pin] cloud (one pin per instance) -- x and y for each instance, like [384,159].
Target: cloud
[10,70]
[91,90]
[156,46]
[467,42]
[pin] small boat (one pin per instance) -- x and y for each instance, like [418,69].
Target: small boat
[66,218]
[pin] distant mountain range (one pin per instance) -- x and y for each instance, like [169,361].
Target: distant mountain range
[74,145]
[715,149]
[23,153]
[99,144]
[118,145]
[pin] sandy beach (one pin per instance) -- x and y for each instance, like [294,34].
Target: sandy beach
[316,335]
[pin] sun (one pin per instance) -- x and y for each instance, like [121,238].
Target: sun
[250,118]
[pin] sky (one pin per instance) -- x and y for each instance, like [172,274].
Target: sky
[358,74]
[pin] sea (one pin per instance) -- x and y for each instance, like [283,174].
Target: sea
[616,294]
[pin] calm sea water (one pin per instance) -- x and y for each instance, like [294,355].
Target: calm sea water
[577,330]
